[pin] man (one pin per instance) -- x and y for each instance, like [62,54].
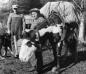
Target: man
[15,26]
[33,22]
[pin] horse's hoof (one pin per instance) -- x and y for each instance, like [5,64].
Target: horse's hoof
[54,69]
[3,51]
[82,42]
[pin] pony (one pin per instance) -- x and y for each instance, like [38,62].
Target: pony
[69,17]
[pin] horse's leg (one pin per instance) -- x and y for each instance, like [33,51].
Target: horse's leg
[76,53]
[73,48]
[0,45]
[56,57]
[65,43]
[39,57]
[59,48]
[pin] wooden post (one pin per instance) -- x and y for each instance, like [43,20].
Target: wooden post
[81,29]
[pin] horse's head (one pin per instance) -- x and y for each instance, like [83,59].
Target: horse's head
[27,50]
[28,47]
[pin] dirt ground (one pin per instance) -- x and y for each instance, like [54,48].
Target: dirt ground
[12,65]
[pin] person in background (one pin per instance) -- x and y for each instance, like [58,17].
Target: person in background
[33,19]
[38,18]
[15,27]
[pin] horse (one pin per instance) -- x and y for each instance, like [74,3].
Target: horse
[68,14]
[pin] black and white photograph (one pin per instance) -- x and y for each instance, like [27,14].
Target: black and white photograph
[42,37]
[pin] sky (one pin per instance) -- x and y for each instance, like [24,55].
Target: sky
[3,1]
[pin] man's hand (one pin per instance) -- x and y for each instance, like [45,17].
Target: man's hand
[27,30]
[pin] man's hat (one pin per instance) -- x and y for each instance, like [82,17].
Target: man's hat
[14,6]
[34,10]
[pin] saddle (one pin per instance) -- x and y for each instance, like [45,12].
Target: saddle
[54,18]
